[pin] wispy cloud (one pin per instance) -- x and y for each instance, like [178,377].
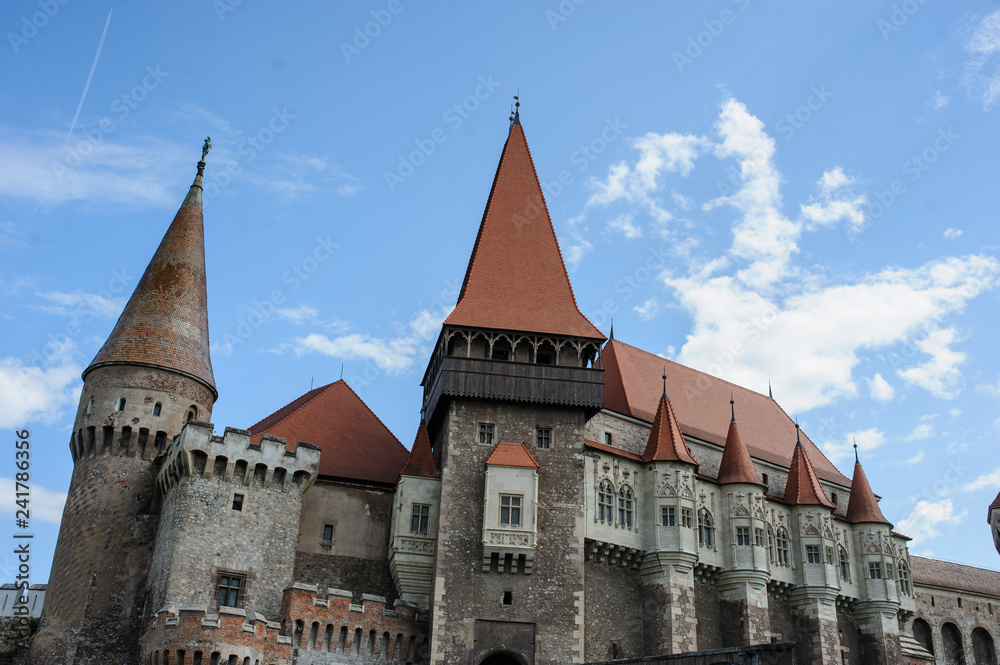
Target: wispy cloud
[881,390]
[868,440]
[952,233]
[46,505]
[982,69]
[938,100]
[921,431]
[989,481]
[30,394]
[647,310]
[927,519]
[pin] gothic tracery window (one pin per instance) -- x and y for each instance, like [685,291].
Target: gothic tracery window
[605,494]
[781,546]
[625,506]
[705,528]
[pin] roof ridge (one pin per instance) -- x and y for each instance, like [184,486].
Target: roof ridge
[318,391]
[954,563]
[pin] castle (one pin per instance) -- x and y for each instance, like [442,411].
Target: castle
[567,499]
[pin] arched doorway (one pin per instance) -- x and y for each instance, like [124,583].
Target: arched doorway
[954,652]
[922,634]
[502,658]
[983,648]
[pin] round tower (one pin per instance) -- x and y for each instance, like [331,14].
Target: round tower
[152,376]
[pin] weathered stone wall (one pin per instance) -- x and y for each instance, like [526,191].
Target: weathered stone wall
[978,613]
[708,607]
[616,601]
[549,601]
[96,606]
[344,572]
[360,517]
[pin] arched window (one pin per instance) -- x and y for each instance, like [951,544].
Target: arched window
[157,408]
[922,634]
[904,578]
[605,502]
[951,640]
[705,528]
[982,646]
[770,544]
[781,546]
[625,507]
[845,564]
[192,413]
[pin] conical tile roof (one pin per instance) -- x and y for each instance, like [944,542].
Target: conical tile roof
[421,462]
[863,506]
[736,465]
[803,488]
[666,443]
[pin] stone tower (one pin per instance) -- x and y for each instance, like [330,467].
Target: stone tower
[507,394]
[153,375]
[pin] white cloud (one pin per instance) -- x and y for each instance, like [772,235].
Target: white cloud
[835,203]
[940,374]
[623,223]
[916,459]
[927,519]
[46,505]
[868,440]
[982,73]
[880,389]
[297,315]
[79,304]
[30,394]
[921,431]
[938,101]
[955,413]
[297,175]
[952,233]
[989,481]
[648,309]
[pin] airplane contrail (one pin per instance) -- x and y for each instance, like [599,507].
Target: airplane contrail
[104,34]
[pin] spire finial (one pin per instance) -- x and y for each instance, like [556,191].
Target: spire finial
[611,335]
[516,120]
[856,460]
[798,439]
[665,382]
[732,406]
[770,393]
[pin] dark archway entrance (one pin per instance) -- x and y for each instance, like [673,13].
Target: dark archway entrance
[502,659]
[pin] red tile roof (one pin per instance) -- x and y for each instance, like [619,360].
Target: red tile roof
[510,453]
[932,572]
[736,465]
[421,462]
[165,322]
[611,450]
[355,444]
[665,442]
[516,279]
[632,386]
[863,507]
[803,488]
[996,502]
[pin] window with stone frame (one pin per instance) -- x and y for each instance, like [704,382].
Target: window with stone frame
[625,507]
[874,570]
[829,556]
[486,433]
[230,589]
[510,509]
[543,436]
[605,502]
[770,544]
[668,516]
[687,518]
[904,578]
[781,546]
[419,517]
[706,537]
[758,537]
[812,554]
[743,536]
[845,563]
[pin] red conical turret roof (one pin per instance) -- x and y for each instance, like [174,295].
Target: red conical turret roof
[516,279]
[666,443]
[736,465]
[165,323]
[803,488]
[863,507]
[421,461]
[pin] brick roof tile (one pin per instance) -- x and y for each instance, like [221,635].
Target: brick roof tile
[802,487]
[937,573]
[736,465]
[421,462]
[666,442]
[512,453]
[516,279]
[355,444]
[863,507]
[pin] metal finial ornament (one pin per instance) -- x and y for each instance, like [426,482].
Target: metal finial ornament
[798,439]
[856,460]
[665,383]
[732,406]
[770,393]
[205,148]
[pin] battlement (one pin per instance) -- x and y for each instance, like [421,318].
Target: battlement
[192,634]
[332,623]
[198,452]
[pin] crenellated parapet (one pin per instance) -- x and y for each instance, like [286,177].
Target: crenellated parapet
[321,624]
[196,635]
[233,458]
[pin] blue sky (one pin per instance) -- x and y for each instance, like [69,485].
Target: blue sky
[804,194]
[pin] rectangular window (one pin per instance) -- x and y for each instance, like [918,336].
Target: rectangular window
[418,520]
[510,510]
[743,535]
[486,433]
[686,520]
[229,591]
[875,570]
[667,516]
[812,554]
[544,435]
[238,502]
[758,536]
[607,438]
[327,532]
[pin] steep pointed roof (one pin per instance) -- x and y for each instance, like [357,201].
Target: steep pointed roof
[993,506]
[354,443]
[666,443]
[863,507]
[165,323]
[512,453]
[736,465]
[632,386]
[516,279]
[803,488]
[421,462]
